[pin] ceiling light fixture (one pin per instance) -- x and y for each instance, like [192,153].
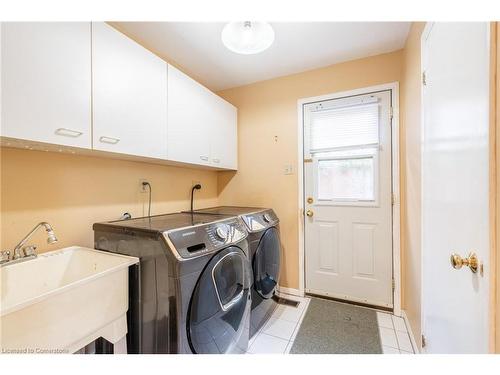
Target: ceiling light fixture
[247,37]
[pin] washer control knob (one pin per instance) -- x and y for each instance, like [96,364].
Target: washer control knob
[267,218]
[222,231]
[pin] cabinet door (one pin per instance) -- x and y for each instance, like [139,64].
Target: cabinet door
[224,137]
[189,111]
[46,82]
[129,95]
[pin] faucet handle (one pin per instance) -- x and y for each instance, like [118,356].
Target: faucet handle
[18,253]
[4,256]
[29,250]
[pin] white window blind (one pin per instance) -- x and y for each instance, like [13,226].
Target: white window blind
[344,127]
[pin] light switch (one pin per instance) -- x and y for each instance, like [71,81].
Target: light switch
[288,169]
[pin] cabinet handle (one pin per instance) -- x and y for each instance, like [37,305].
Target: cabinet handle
[205,158]
[110,140]
[216,160]
[68,132]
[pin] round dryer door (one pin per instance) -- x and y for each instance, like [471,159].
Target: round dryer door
[219,308]
[266,263]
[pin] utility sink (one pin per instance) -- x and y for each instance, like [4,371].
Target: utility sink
[63,300]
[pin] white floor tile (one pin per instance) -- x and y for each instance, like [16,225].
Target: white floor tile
[279,328]
[404,341]
[265,344]
[300,322]
[294,334]
[388,337]
[399,323]
[252,339]
[289,347]
[292,314]
[389,350]
[384,320]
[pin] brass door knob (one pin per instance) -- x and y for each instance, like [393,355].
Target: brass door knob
[309,213]
[471,261]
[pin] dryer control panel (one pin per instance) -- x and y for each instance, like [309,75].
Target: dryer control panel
[207,238]
[261,220]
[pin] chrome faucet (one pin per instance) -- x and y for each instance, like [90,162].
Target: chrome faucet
[21,251]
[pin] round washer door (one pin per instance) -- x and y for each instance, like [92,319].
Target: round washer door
[219,306]
[266,263]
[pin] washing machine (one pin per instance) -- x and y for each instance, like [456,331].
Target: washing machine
[262,225]
[190,292]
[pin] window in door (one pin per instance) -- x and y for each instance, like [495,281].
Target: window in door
[346,179]
[343,141]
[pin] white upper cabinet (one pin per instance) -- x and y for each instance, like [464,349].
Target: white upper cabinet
[201,125]
[46,82]
[224,134]
[89,86]
[129,96]
[188,111]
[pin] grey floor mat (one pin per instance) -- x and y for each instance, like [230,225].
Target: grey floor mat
[331,327]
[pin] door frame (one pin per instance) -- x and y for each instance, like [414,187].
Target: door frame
[395,156]
[423,56]
[494,184]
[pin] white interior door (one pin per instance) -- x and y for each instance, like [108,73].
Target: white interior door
[348,198]
[455,186]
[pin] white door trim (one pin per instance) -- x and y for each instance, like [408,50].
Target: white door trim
[396,208]
[423,56]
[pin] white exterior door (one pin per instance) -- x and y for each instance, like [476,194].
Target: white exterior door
[348,198]
[455,186]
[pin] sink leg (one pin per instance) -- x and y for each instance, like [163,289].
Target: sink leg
[120,347]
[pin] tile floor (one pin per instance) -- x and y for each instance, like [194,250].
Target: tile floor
[393,334]
[278,334]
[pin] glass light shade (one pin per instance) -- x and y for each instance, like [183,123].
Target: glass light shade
[247,37]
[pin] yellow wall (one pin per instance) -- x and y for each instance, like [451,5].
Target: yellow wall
[410,125]
[267,131]
[72,192]
[496,173]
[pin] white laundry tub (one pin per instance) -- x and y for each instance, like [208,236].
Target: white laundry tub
[63,300]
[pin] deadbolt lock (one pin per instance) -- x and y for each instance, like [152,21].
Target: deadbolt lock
[310,200]
[471,261]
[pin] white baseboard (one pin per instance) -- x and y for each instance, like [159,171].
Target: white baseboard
[410,332]
[290,291]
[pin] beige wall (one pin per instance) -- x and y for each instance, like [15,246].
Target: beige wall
[267,126]
[72,192]
[411,178]
[496,170]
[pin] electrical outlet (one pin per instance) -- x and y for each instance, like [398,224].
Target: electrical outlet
[143,188]
[195,183]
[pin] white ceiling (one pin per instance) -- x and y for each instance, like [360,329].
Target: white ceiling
[197,49]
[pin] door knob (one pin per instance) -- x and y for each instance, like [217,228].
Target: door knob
[309,213]
[471,261]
